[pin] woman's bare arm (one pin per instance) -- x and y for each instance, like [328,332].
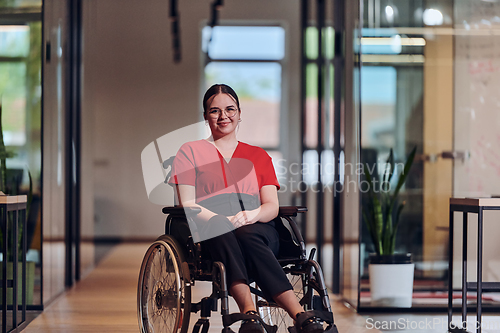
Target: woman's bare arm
[186,196]
[266,212]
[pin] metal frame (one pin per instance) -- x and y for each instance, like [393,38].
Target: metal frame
[304,14]
[73,146]
[323,64]
[339,27]
[18,214]
[320,147]
[479,286]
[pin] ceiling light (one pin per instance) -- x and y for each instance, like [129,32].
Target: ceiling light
[432,17]
[14,28]
[405,41]
[389,14]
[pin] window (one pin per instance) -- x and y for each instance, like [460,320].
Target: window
[14,49]
[249,59]
[20,97]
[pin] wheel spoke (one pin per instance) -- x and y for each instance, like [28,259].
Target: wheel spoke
[162,290]
[274,315]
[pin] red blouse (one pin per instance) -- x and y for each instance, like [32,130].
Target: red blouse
[200,164]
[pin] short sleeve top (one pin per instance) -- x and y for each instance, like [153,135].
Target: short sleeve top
[200,164]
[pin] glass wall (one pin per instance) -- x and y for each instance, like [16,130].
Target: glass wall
[427,82]
[318,158]
[20,104]
[400,54]
[476,124]
[55,125]
[330,135]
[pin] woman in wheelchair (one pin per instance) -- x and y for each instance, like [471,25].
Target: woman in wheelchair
[235,186]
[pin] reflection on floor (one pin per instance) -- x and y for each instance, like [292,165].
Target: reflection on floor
[30,315]
[102,249]
[105,301]
[439,299]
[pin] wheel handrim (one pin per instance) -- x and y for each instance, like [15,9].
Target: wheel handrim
[161,291]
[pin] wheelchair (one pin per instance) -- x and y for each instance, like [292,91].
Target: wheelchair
[174,262]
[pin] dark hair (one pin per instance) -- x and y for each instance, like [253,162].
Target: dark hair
[219,89]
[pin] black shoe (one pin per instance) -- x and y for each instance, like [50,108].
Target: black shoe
[308,323]
[251,325]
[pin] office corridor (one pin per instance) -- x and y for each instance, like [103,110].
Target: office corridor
[105,301]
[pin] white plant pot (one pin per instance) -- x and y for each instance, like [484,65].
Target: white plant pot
[391,285]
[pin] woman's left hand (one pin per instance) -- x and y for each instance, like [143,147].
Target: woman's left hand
[245,217]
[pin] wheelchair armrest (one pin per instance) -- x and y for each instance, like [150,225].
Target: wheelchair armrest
[283,210]
[286,213]
[291,210]
[181,211]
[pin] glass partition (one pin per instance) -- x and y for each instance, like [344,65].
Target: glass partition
[317,186]
[476,124]
[428,80]
[20,103]
[54,147]
[398,102]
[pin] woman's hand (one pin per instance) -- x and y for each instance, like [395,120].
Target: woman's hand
[267,211]
[245,217]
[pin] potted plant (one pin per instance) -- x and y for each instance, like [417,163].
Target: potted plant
[391,274]
[9,187]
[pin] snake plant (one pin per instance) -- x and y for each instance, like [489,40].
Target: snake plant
[382,212]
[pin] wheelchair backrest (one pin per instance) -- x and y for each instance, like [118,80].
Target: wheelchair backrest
[291,243]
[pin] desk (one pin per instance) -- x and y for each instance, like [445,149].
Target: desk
[15,207]
[477,206]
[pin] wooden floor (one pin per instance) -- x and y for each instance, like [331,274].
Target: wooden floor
[105,301]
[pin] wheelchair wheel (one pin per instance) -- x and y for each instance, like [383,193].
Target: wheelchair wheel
[164,289]
[272,314]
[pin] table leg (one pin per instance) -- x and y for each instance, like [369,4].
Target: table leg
[450,270]
[15,262]
[464,268]
[5,230]
[24,250]
[479,267]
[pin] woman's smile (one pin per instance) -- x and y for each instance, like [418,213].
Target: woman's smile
[222,115]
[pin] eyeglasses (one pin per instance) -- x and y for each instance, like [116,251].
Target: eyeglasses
[216,112]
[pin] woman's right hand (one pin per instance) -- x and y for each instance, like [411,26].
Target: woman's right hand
[235,221]
[245,217]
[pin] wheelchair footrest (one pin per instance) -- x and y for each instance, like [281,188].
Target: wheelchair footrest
[326,316]
[330,329]
[229,319]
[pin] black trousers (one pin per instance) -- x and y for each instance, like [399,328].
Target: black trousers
[249,254]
